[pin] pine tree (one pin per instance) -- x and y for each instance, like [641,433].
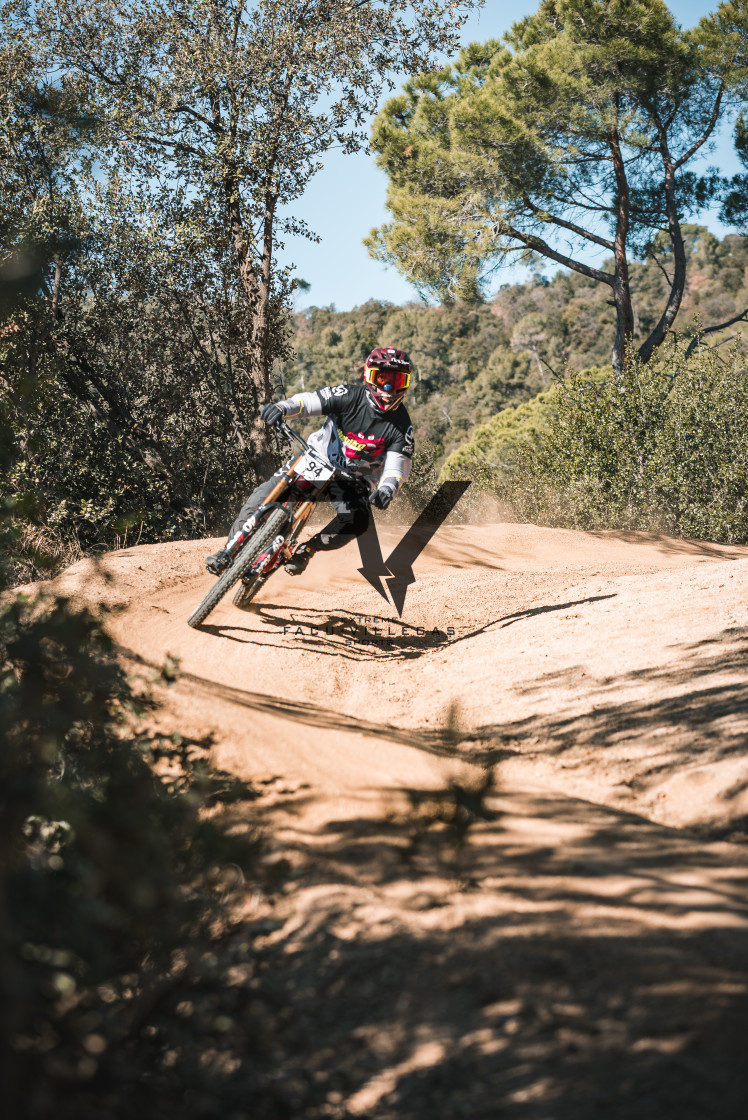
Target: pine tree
[575,136]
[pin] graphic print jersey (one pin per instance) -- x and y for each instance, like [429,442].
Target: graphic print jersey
[357,436]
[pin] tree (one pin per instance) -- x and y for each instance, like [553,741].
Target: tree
[96,371]
[221,110]
[150,156]
[576,137]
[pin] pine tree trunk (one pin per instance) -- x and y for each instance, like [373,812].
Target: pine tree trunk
[621,282]
[624,318]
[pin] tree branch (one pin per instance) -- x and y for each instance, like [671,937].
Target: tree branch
[588,205]
[678,284]
[656,260]
[212,125]
[176,145]
[707,132]
[237,24]
[740,317]
[571,226]
[503,229]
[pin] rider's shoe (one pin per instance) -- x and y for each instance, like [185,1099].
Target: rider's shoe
[298,562]
[218,562]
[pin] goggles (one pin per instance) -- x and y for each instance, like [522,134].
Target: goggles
[389,380]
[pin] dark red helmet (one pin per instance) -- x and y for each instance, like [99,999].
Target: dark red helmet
[387,376]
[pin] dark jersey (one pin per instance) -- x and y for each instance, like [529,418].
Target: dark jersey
[364,431]
[356,434]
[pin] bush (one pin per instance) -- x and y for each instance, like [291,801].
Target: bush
[115,947]
[493,449]
[664,450]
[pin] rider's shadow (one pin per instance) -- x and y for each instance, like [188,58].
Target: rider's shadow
[348,634]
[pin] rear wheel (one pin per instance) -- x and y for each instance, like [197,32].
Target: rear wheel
[247,590]
[246,557]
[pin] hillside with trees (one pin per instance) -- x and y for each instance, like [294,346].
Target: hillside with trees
[474,359]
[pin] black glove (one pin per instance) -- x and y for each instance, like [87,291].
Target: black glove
[271,414]
[382,497]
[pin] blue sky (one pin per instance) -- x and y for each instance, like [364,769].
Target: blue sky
[347,198]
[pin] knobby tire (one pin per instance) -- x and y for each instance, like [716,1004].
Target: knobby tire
[246,557]
[246,592]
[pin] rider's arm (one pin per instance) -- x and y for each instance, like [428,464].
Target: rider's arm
[396,469]
[327,401]
[301,404]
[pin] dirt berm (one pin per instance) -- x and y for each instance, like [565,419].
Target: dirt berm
[582,949]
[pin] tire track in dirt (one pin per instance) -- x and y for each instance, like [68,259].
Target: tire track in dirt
[595,664]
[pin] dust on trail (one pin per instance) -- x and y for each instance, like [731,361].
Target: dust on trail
[587,948]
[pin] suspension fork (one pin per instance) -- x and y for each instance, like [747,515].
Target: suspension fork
[302,514]
[272,499]
[300,519]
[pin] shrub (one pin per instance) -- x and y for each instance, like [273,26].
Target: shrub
[666,449]
[492,450]
[114,940]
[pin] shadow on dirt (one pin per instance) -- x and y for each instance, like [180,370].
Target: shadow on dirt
[692,723]
[438,741]
[348,634]
[673,546]
[600,968]
[563,961]
[359,637]
[696,723]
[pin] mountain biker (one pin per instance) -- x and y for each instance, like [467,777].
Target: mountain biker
[367,431]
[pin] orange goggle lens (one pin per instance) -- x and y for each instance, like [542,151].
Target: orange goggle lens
[390,380]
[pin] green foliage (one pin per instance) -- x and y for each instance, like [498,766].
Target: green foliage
[473,361]
[665,450]
[121,336]
[115,890]
[493,448]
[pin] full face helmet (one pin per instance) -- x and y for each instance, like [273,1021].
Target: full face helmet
[386,377]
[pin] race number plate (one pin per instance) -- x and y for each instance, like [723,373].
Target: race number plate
[312,469]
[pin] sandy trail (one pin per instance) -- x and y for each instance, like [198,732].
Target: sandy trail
[599,665]
[593,935]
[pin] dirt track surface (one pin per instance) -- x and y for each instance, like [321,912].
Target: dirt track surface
[586,950]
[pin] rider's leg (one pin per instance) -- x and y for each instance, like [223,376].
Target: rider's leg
[220,560]
[351,520]
[254,501]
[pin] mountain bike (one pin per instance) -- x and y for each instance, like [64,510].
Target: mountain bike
[268,537]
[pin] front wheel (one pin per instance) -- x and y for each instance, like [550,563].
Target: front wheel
[246,557]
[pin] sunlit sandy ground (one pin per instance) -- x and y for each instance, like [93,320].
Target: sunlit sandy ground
[582,950]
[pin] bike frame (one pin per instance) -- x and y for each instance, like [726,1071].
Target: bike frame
[267,537]
[301,507]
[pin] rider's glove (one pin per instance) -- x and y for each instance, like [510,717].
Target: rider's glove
[271,414]
[382,497]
